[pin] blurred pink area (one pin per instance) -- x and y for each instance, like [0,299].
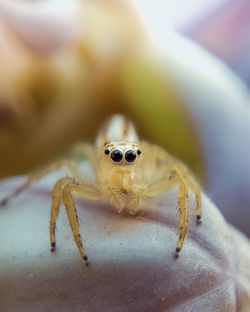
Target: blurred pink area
[226,33]
[221,26]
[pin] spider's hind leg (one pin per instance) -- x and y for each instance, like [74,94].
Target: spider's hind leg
[38,174]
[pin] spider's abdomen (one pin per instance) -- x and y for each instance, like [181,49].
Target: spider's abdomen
[118,128]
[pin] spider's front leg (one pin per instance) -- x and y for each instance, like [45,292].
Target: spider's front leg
[63,191]
[176,179]
[192,184]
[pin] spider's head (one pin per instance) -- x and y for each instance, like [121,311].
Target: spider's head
[122,153]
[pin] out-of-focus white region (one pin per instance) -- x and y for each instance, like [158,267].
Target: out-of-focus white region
[221,26]
[163,13]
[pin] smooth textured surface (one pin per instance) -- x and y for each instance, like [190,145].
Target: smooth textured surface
[132,263]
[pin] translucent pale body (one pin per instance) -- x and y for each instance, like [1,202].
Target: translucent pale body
[127,171]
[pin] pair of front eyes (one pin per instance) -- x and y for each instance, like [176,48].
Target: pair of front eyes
[117,155]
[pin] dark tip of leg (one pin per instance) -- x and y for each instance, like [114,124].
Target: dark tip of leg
[53,246]
[198,219]
[85,258]
[177,252]
[3,202]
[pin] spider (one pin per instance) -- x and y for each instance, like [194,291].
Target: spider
[127,170]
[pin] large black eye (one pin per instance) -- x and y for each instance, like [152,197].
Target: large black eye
[130,156]
[116,155]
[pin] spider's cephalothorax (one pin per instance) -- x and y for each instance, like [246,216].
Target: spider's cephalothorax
[118,159]
[119,141]
[127,171]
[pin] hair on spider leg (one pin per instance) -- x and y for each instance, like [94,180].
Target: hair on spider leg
[177,210]
[54,228]
[80,212]
[172,175]
[74,180]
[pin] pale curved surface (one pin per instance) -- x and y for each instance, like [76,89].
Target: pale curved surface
[43,27]
[219,104]
[132,264]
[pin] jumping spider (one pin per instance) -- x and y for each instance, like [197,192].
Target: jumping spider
[127,170]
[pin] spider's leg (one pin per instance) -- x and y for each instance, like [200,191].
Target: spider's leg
[38,174]
[55,207]
[183,213]
[85,190]
[166,184]
[193,185]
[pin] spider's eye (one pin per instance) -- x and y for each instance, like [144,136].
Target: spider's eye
[138,152]
[116,155]
[130,156]
[107,151]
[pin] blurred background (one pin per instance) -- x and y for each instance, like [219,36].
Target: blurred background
[180,71]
